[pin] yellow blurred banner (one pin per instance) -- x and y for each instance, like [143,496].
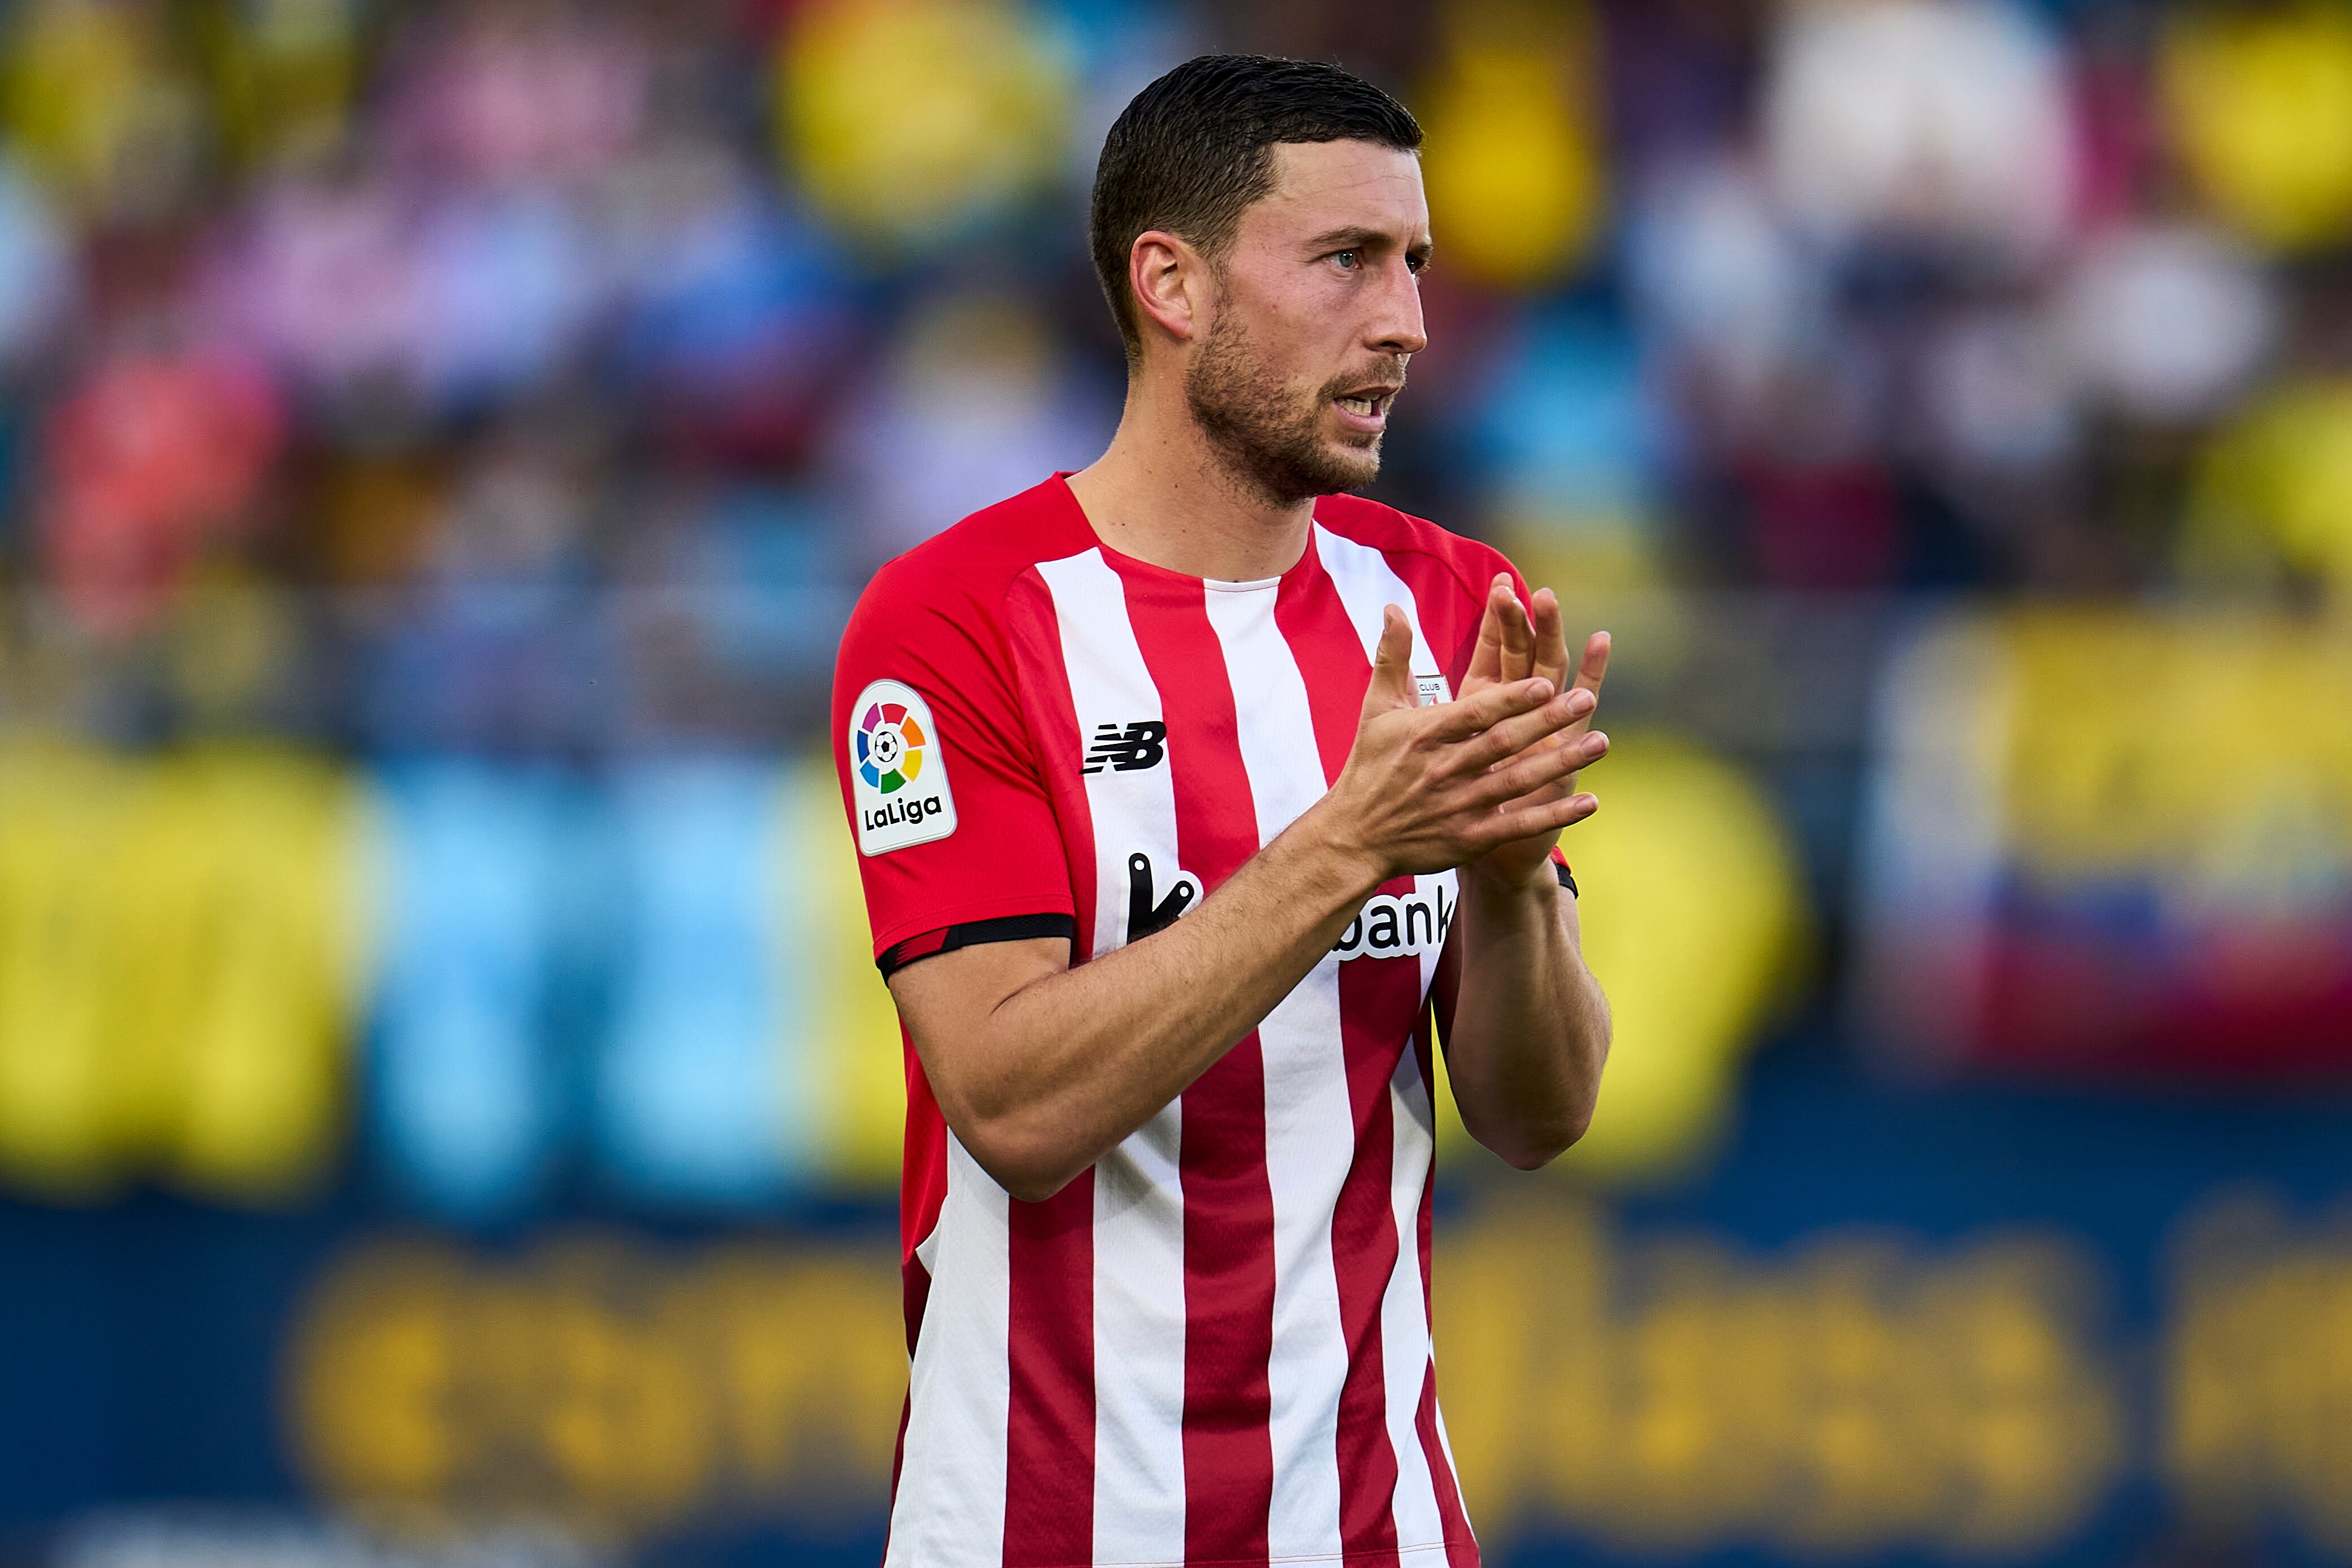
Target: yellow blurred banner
[179,958]
[1860,1392]
[1862,1396]
[2114,839]
[599,1382]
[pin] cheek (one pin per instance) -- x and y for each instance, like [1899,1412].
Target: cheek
[1287,311]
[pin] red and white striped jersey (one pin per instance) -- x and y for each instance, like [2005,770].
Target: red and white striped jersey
[1214,1346]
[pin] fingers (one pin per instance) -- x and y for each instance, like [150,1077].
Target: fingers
[1529,821]
[1393,684]
[1550,639]
[1486,659]
[1542,767]
[1482,711]
[1594,665]
[1508,737]
[1506,641]
[1518,637]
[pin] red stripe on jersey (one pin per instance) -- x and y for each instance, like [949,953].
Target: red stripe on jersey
[922,1186]
[1330,655]
[1461,1546]
[1461,1550]
[1228,1198]
[898,1459]
[1049,1439]
[1034,632]
[1049,1452]
[1423,1047]
[1364,1250]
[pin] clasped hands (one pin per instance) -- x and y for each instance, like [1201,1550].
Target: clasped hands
[1487,782]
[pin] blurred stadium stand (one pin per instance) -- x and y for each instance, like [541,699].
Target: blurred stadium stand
[448,1114]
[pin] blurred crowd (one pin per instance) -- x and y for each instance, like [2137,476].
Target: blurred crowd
[545,377]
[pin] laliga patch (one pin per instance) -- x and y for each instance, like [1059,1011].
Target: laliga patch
[899,774]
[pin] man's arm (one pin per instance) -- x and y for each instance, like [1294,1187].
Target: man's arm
[1040,1069]
[1529,1028]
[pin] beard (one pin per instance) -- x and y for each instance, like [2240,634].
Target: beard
[1269,434]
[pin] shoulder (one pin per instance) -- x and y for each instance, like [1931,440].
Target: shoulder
[1436,562]
[943,602]
[965,571]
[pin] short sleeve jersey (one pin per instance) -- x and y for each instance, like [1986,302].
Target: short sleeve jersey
[1214,1346]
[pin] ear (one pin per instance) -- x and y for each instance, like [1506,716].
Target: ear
[1171,285]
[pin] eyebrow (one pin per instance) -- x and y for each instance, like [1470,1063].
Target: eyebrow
[1341,238]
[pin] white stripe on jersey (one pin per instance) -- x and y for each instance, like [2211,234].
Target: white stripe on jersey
[1404,1323]
[1109,684]
[1366,582]
[1139,1233]
[1310,1135]
[951,1484]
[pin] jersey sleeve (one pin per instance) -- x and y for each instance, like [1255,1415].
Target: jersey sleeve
[956,836]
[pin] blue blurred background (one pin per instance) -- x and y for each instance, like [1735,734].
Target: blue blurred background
[448,1114]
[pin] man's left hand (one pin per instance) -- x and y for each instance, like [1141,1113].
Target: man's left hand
[1515,642]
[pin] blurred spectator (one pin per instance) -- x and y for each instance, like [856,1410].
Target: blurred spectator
[738,319]
[2272,502]
[286,76]
[37,280]
[911,120]
[1931,123]
[97,105]
[153,457]
[1512,157]
[511,93]
[2165,323]
[975,402]
[2260,100]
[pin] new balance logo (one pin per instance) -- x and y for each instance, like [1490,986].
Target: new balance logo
[1142,744]
[1144,915]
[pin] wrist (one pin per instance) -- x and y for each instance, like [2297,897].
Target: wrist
[1334,862]
[1492,877]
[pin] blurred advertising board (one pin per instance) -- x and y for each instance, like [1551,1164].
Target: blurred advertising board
[2113,843]
[216,961]
[1856,1340]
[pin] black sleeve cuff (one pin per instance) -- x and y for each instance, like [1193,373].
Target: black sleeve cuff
[972,933]
[1566,880]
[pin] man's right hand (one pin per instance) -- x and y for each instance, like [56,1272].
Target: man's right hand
[1428,789]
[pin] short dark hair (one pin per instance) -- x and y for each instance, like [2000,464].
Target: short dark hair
[1196,148]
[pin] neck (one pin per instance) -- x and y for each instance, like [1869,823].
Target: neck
[1164,493]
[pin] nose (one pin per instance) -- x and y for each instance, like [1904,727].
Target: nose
[1397,327]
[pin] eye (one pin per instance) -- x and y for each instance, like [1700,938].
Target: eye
[1416,264]
[1347,260]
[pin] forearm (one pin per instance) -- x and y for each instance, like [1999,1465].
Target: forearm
[1530,1027]
[1070,1064]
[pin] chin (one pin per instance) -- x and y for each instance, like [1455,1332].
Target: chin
[1350,467]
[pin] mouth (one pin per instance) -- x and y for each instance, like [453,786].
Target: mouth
[1365,408]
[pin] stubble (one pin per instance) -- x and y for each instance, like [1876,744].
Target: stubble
[1270,436]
